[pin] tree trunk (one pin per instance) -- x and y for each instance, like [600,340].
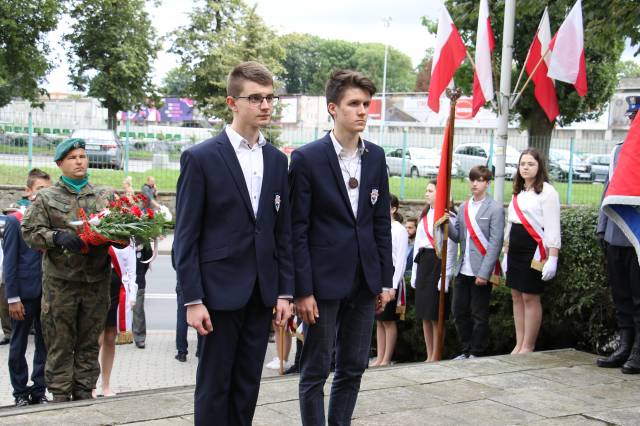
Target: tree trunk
[112,119]
[540,130]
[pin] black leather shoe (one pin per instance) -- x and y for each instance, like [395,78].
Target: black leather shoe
[22,401]
[620,355]
[632,366]
[39,400]
[294,369]
[181,357]
[5,341]
[140,345]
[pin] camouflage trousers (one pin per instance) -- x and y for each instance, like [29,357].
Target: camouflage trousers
[73,316]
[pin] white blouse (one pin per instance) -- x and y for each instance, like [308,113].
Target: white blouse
[544,208]
[399,248]
[422,241]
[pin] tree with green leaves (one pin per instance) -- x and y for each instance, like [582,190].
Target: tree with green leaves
[628,69]
[605,29]
[221,34]
[177,82]
[424,72]
[23,47]
[310,60]
[112,49]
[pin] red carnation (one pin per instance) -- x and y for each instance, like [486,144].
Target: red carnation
[150,213]
[136,211]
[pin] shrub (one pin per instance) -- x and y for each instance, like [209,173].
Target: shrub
[578,311]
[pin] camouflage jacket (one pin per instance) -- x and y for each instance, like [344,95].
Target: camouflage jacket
[53,210]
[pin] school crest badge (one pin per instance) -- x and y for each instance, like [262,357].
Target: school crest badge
[374,196]
[276,202]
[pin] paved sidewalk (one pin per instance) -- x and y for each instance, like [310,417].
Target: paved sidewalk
[544,388]
[137,369]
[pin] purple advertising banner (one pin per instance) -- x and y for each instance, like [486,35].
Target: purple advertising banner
[173,110]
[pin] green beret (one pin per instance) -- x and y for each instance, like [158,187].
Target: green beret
[67,145]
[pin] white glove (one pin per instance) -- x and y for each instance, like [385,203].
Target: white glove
[503,264]
[550,268]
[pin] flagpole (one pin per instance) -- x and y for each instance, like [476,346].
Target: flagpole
[453,95]
[280,331]
[526,83]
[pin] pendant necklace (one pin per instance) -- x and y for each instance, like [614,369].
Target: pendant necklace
[353,182]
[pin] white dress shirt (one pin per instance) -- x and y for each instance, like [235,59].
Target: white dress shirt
[350,165]
[544,208]
[473,207]
[251,163]
[399,248]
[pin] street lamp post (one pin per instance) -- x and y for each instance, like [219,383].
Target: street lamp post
[387,24]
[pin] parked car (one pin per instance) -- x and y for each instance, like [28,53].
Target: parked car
[103,147]
[559,166]
[469,155]
[418,162]
[599,166]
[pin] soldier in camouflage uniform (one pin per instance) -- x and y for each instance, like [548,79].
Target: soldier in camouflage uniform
[75,297]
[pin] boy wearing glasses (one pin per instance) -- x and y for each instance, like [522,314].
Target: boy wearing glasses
[233,249]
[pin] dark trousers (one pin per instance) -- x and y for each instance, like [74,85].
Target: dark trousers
[139,322]
[182,345]
[347,324]
[230,364]
[5,319]
[471,312]
[623,273]
[18,368]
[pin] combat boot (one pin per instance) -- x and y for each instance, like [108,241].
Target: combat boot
[632,366]
[620,355]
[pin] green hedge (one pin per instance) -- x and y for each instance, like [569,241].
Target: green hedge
[578,311]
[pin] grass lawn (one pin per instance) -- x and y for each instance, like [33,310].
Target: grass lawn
[583,193]
[414,188]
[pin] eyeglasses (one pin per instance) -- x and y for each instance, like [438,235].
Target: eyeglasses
[257,99]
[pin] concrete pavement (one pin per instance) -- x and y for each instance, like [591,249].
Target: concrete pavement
[544,388]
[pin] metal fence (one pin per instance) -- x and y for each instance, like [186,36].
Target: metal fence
[577,167]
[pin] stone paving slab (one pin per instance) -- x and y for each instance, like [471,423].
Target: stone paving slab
[559,388]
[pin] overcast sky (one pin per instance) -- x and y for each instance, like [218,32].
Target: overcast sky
[353,20]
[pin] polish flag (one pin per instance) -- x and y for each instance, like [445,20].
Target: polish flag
[448,56]
[482,78]
[567,61]
[545,89]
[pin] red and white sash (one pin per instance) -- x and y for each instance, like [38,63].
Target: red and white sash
[481,243]
[534,229]
[124,316]
[425,225]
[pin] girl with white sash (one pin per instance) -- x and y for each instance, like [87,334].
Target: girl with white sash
[118,322]
[532,241]
[425,273]
[386,327]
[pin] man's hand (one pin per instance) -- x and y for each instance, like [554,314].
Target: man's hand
[392,294]
[16,311]
[307,309]
[68,240]
[481,281]
[283,312]
[381,301]
[198,318]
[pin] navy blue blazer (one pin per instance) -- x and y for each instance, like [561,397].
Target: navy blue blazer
[328,240]
[221,248]
[22,266]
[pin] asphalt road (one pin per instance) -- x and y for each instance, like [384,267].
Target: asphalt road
[160,296]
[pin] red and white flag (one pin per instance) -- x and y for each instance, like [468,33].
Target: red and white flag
[482,77]
[448,56]
[545,89]
[567,61]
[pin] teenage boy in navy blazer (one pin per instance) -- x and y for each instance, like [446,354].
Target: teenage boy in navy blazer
[342,249]
[233,249]
[472,289]
[22,271]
